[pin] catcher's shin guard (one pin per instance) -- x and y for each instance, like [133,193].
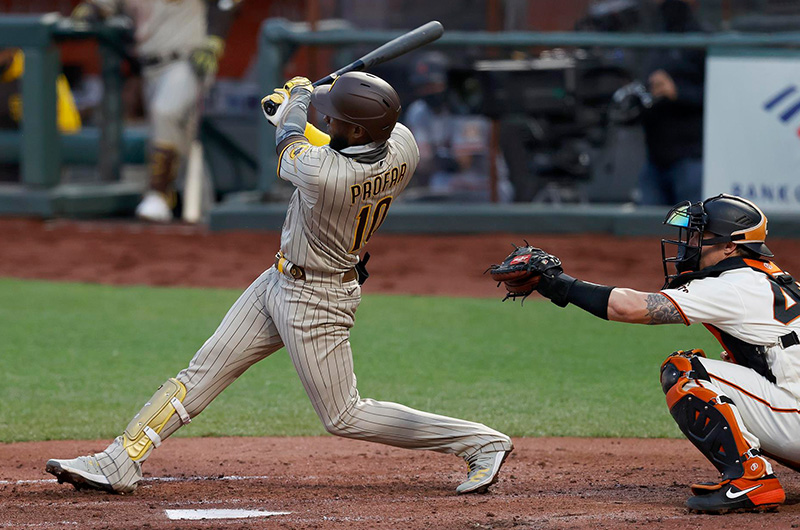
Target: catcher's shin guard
[706,418]
[143,431]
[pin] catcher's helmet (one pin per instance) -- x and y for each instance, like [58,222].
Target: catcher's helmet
[361,99]
[727,217]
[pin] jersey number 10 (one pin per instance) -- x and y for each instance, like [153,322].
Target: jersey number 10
[372,217]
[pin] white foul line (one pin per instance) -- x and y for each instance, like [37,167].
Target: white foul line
[148,479]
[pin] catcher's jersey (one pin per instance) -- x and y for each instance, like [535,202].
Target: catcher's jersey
[340,202]
[163,26]
[748,306]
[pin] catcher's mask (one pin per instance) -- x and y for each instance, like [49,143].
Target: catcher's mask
[726,217]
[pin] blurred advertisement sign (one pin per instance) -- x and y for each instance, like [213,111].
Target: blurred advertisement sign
[752,127]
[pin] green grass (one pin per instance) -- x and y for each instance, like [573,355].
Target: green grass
[77,361]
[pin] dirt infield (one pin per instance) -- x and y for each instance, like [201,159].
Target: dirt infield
[329,482]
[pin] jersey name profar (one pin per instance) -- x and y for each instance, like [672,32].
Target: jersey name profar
[373,186]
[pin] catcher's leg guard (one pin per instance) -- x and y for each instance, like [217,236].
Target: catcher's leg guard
[143,431]
[709,421]
[706,418]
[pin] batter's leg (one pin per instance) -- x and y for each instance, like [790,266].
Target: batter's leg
[315,323]
[246,335]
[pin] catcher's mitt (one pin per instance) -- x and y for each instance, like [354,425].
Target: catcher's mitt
[521,270]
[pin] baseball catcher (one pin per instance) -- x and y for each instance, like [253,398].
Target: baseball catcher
[736,410]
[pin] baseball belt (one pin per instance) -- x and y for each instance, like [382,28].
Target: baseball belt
[156,60]
[297,272]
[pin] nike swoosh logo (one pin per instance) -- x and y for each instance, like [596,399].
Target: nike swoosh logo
[738,494]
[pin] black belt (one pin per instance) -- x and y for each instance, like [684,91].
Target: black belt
[155,60]
[789,340]
[297,272]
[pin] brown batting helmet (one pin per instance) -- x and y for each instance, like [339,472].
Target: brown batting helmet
[361,99]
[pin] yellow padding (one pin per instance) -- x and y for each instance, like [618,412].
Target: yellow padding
[315,136]
[154,415]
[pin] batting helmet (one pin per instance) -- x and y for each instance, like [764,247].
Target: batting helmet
[361,99]
[727,217]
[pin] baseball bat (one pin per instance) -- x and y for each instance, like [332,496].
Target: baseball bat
[396,47]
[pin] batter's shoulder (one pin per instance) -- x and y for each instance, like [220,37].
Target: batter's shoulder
[402,136]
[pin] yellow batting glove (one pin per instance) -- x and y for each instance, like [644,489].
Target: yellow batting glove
[275,101]
[298,82]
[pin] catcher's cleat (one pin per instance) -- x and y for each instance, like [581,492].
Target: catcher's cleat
[764,494]
[483,470]
[81,472]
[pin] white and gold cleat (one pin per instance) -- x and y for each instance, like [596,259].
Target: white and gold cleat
[483,470]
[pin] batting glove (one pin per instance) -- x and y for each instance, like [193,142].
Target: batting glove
[205,59]
[300,83]
[276,99]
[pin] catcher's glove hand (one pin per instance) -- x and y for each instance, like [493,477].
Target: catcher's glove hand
[521,271]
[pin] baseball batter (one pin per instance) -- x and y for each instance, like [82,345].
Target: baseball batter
[736,409]
[178,46]
[307,300]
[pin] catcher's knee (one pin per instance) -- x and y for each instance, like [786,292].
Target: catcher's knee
[142,432]
[707,418]
[682,365]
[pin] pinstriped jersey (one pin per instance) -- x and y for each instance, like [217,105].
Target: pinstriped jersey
[340,202]
[163,26]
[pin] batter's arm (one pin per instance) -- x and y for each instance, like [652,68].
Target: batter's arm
[629,305]
[292,126]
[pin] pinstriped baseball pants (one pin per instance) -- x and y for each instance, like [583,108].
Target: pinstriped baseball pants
[312,319]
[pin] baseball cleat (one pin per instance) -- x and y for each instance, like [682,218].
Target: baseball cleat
[81,472]
[154,207]
[483,470]
[741,494]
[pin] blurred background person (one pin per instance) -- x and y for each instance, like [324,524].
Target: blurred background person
[453,140]
[178,45]
[431,117]
[673,125]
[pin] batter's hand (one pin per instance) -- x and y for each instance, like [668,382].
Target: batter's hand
[277,98]
[205,59]
[299,83]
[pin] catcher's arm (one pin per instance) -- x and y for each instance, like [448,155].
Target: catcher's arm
[628,305]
